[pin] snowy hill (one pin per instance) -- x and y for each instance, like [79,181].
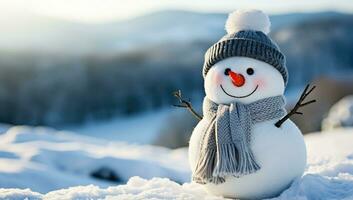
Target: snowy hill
[46,161]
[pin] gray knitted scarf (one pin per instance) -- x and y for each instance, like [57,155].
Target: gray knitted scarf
[225,144]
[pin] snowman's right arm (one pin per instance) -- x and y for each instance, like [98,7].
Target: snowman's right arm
[186,104]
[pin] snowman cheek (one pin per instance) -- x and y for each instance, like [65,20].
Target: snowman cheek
[261,82]
[218,78]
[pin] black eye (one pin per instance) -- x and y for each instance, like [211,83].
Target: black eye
[226,72]
[250,71]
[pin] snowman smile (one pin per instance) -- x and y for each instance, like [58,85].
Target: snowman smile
[240,96]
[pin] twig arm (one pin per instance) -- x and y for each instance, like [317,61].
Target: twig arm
[298,105]
[186,104]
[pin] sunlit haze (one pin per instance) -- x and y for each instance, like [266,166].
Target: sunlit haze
[94,11]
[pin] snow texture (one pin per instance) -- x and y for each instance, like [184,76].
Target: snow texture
[340,115]
[136,188]
[329,173]
[247,20]
[59,159]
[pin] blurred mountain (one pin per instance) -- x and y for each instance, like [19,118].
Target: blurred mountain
[58,72]
[317,47]
[44,34]
[40,33]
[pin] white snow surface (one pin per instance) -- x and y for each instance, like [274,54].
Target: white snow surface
[46,161]
[340,114]
[43,160]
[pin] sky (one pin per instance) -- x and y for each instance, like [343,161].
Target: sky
[96,11]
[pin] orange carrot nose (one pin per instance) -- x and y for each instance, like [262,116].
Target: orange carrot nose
[237,79]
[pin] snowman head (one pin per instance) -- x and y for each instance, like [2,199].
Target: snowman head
[245,65]
[242,79]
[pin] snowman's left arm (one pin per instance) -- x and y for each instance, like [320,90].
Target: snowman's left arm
[299,104]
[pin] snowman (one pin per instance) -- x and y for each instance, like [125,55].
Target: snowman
[245,146]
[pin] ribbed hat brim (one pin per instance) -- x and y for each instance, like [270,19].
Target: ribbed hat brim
[245,48]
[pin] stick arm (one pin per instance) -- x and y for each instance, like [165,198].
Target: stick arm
[186,104]
[298,105]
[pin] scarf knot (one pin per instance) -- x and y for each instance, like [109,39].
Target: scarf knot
[225,144]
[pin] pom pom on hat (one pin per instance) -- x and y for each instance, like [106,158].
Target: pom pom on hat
[240,20]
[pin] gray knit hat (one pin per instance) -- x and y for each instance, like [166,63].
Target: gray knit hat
[247,37]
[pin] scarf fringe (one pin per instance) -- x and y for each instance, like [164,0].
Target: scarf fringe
[205,165]
[247,163]
[214,180]
[204,168]
[226,161]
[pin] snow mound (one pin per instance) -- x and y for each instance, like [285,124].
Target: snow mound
[313,186]
[18,194]
[45,159]
[340,115]
[136,188]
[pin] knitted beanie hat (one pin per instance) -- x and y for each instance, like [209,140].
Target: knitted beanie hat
[246,37]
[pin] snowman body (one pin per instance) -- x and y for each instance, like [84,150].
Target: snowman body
[280,152]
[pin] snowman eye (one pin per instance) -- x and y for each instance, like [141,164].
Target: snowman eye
[226,71]
[250,71]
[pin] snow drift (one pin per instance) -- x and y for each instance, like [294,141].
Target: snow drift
[340,114]
[46,161]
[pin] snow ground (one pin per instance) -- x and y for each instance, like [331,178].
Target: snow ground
[61,159]
[46,161]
